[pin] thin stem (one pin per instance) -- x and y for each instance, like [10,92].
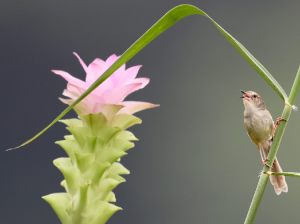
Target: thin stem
[272,154]
[291,174]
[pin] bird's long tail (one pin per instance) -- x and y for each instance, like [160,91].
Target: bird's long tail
[278,181]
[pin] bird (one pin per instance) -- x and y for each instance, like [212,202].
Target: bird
[260,128]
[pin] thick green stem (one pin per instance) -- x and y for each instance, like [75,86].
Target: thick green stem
[273,151]
[262,183]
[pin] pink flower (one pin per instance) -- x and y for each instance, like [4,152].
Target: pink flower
[112,91]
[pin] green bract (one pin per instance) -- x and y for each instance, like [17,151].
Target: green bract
[92,171]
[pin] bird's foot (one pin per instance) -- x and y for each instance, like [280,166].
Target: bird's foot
[279,119]
[276,124]
[264,162]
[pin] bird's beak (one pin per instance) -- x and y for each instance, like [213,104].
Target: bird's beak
[245,96]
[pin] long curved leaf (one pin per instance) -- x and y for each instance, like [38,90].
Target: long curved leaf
[160,26]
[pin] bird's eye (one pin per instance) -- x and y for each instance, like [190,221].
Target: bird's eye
[254,96]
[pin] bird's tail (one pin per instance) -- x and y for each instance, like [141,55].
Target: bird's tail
[278,181]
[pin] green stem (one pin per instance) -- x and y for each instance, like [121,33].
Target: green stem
[273,151]
[262,183]
[291,174]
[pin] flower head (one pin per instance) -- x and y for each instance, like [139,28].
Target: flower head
[112,91]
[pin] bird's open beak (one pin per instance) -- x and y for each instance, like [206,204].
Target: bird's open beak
[245,96]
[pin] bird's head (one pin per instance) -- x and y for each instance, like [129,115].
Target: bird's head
[252,99]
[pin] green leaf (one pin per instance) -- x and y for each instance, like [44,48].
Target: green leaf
[107,185]
[74,122]
[96,171]
[64,184]
[291,174]
[110,110]
[118,168]
[84,161]
[94,121]
[106,133]
[93,144]
[71,175]
[127,135]
[121,144]
[81,202]
[109,155]
[169,19]
[116,177]
[125,121]
[61,204]
[69,146]
[63,162]
[99,212]
[80,134]
[110,197]
[69,137]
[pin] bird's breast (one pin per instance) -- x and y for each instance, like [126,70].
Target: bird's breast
[259,126]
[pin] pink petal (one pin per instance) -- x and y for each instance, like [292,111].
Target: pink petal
[80,108]
[99,62]
[131,107]
[106,98]
[130,74]
[71,79]
[110,60]
[106,85]
[118,75]
[79,91]
[81,62]
[94,71]
[117,95]
[75,89]
[66,101]
[70,94]
[143,81]
[89,100]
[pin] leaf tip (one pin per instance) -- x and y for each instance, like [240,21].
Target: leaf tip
[11,149]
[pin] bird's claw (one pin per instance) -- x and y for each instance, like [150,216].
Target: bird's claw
[268,165]
[279,119]
[264,162]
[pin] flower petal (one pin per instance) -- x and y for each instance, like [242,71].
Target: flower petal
[110,60]
[129,74]
[107,97]
[89,100]
[122,76]
[80,108]
[71,79]
[118,76]
[70,94]
[94,71]
[143,81]
[117,95]
[74,89]
[99,62]
[81,61]
[131,107]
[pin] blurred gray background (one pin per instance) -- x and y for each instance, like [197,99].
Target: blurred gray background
[194,162]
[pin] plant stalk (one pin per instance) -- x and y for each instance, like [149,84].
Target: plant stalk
[263,180]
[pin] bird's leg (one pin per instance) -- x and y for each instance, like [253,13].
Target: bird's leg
[276,124]
[262,158]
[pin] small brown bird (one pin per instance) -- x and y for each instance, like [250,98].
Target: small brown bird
[260,128]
